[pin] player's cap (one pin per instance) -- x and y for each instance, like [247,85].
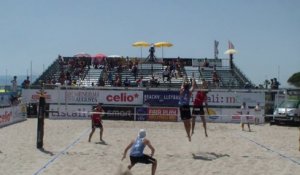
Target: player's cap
[142,133]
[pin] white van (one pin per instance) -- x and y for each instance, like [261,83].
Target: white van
[288,110]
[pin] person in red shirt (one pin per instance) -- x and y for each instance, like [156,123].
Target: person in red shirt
[198,110]
[97,121]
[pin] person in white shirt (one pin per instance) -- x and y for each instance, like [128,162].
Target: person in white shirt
[245,116]
[257,110]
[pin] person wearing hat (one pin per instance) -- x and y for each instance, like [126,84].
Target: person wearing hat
[185,94]
[137,152]
[97,121]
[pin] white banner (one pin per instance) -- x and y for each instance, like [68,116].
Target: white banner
[65,96]
[13,114]
[70,111]
[233,98]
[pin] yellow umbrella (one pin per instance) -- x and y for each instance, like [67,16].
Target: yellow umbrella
[162,45]
[141,44]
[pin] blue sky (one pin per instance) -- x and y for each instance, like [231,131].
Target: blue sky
[264,32]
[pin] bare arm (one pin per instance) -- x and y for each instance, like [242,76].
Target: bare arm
[148,143]
[126,149]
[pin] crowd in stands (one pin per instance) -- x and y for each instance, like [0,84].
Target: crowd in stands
[124,72]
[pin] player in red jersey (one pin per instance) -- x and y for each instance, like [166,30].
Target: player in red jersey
[97,121]
[198,109]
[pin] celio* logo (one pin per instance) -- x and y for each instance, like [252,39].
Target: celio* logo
[123,97]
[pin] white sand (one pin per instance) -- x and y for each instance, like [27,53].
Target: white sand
[227,150]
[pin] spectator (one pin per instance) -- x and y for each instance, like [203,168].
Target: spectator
[26,83]
[126,82]
[245,116]
[139,81]
[134,71]
[215,79]
[205,63]
[166,74]
[154,82]
[14,84]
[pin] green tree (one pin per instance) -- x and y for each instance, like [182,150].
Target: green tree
[295,79]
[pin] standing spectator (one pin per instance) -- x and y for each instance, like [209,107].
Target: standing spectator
[257,111]
[26,83]
[14,84]
[245,116]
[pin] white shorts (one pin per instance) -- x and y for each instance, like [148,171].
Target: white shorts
[245,119]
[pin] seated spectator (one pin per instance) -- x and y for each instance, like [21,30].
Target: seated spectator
[205,63]
[204,84]
[215,79]
[126,82]
[101,82]
[117,82]
[166,74]
[139,81]
[154,82]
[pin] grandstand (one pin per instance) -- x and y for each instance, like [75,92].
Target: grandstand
[83,72]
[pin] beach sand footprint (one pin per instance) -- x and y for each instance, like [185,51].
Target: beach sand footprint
[208,156]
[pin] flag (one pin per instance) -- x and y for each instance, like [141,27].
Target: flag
[216,48]
[230,45]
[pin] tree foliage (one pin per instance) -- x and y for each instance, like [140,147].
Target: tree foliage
[295,79]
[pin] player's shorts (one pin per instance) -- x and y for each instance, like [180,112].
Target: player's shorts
[185,112]
[198,110]
[97,125]
[143,159]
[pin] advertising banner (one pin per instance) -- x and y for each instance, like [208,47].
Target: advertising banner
[169,114]
[13,114]
[118,113]
[33,95]
[72,112]
[141,113]
[233,98]
[161,98]
[163,114]
[66,96]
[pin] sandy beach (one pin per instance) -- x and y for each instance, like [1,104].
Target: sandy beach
[227,150]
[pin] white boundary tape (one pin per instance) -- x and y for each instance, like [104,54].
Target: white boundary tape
[61,152]
[271,150]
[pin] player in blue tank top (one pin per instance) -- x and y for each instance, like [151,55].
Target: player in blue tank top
[137,152]
[184,105]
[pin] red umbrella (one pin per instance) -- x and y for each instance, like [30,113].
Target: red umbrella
[99,58]
[82,55]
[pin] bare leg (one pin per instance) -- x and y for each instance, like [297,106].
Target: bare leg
[101,133]
[154,165]
[91,134]
[242,126]
[204,125]
[187,126]
[249,127]
[193,124]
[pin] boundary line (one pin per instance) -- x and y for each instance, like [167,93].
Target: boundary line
[62,152]
[271,150]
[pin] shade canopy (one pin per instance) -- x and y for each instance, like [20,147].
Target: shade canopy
[140,44]
[163,44]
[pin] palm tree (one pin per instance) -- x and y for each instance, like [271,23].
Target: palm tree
[295,79]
